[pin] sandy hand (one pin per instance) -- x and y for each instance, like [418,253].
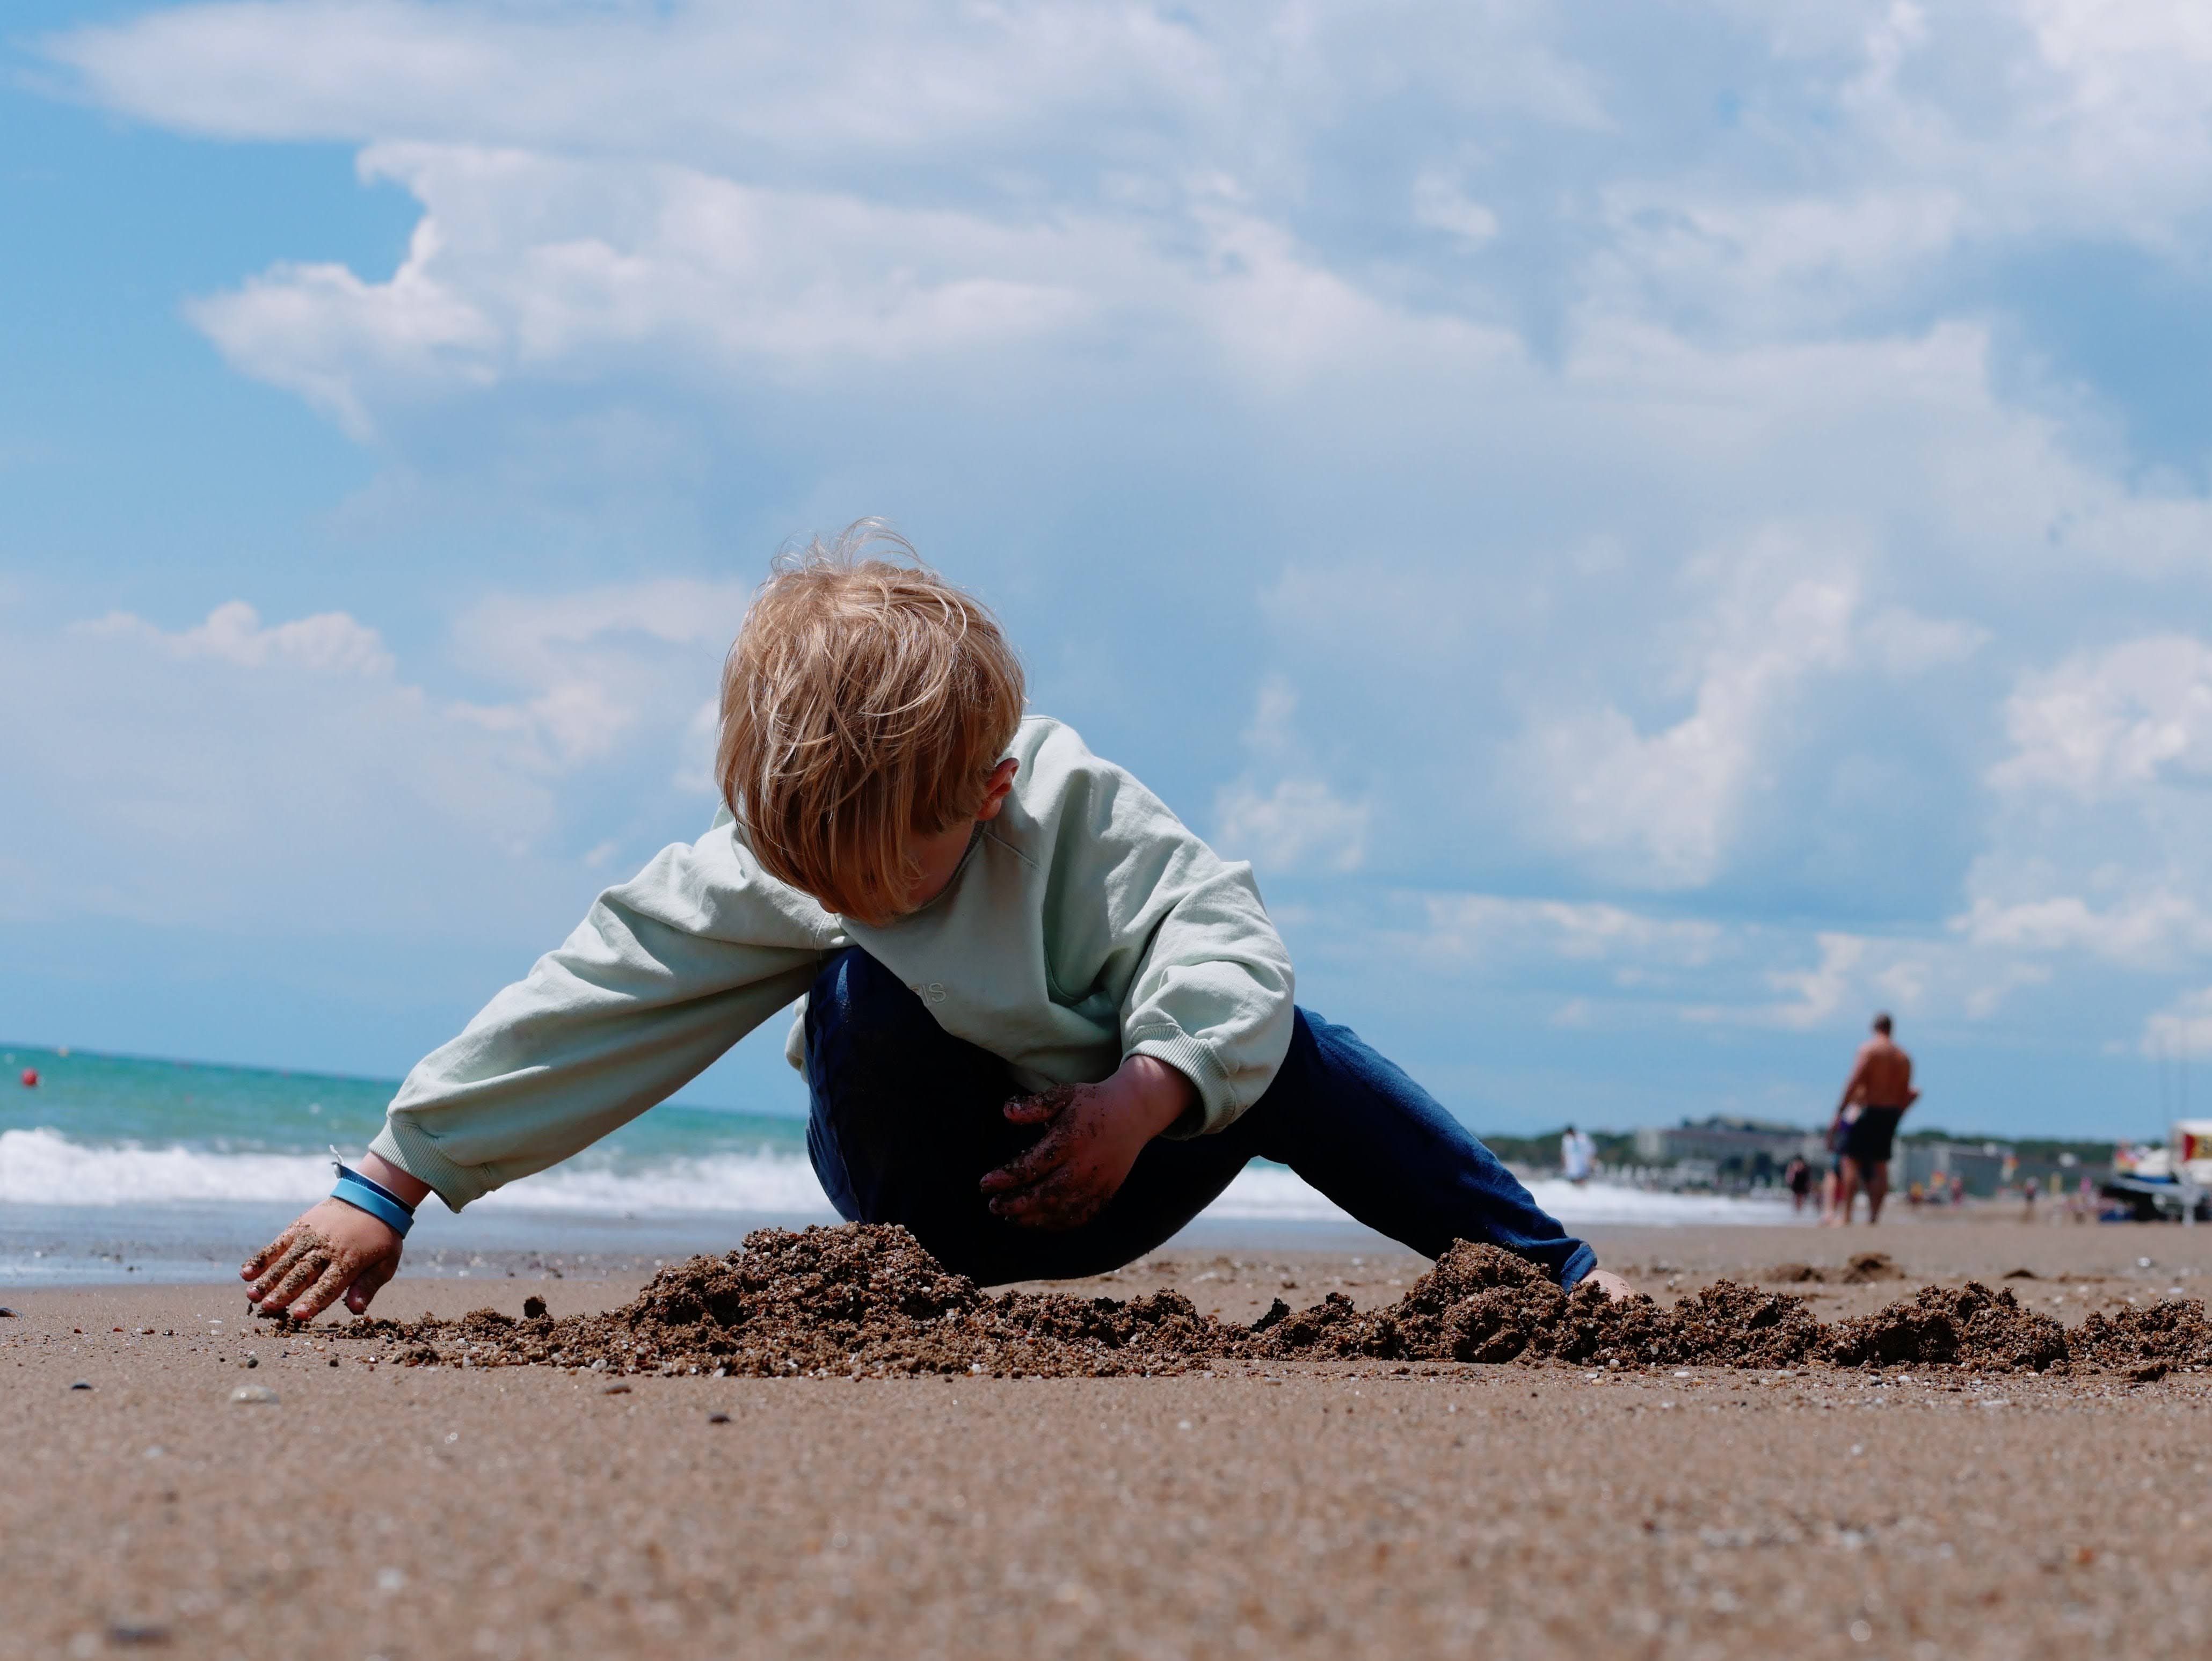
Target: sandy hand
[1093,1134]
[332,1250]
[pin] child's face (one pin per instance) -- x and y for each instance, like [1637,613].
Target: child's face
[937,858]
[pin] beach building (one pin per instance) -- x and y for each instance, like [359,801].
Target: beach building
[1981,1165]
[1736,1150]
[1987,1168]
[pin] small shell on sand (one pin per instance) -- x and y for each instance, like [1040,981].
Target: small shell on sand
[254,1395]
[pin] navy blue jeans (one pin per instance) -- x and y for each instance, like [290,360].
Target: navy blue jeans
[906,1119]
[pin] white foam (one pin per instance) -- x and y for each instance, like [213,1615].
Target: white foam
[1599,1201]
[780,1183]
[45,1167]
[1266,1192]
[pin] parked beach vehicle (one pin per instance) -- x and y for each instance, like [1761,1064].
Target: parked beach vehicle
[2168,1184]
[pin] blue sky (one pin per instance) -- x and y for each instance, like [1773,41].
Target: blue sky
[1658,528]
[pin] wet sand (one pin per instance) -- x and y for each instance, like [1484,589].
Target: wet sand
[1337,1509]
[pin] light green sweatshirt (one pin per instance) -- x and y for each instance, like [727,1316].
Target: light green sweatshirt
[1086,924]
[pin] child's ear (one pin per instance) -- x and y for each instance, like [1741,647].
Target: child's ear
[1000,786]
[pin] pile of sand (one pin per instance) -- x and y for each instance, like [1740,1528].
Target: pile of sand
[1480,1304]
[1863,1270]
[858,1299]
[855,1299]
[1971,1326]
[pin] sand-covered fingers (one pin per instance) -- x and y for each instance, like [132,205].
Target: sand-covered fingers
[272,1257]
[1062,1181]
[1068,1194]
[330,1286]
[1039,1109]
[298,1271]
[333,1248]
[1043,1186]
[1092,1136]
[1048,1154]
[280,1259]
[370,1282]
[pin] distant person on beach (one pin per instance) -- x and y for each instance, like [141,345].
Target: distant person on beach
[1577,1154]
[1832,1180]
[1881,1086]
[1797,1178]
[1042,1025]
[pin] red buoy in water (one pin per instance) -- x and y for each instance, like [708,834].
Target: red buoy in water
[30,1078]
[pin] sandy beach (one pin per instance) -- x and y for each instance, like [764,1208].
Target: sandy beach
[1326,1508]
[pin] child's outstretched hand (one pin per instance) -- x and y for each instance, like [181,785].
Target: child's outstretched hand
[1093,1134]
[334,1250]
[1615,1288]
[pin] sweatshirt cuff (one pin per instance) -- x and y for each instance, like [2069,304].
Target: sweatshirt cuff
[1218,1107]
[1576,1268]
[417,1154]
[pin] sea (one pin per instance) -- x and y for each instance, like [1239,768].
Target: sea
[115,1166]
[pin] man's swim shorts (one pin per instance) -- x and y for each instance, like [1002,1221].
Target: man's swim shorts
[1872,1136]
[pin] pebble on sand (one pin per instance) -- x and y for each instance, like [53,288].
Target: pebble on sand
[254,1395]
[718,1418]
[6,1314]
[80,1385]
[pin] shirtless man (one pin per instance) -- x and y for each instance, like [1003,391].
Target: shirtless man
[1881,1084]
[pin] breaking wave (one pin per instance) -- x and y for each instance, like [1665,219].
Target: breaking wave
[45,1167]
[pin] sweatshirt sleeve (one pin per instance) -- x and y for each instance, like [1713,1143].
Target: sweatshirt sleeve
[1210,988]
[665,972]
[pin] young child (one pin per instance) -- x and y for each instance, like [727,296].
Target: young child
[1043,1024]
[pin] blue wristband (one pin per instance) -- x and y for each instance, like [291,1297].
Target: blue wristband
[381,1203]
[368,1181]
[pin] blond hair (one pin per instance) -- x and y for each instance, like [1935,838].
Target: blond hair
[865,702]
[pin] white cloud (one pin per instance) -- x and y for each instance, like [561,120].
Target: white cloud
[2151,930]
[330,642]
[599,663]
[286,777]
[2183,1029]
[1617,964]
[881,83]
[1296,822]
[2113,720]
[695,771]
[1817,993]
[1442,204]
[1300,823]
[1659,809]
[1771,266]
[316,329]
[1499,927]
[1901,642]
[530,265]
